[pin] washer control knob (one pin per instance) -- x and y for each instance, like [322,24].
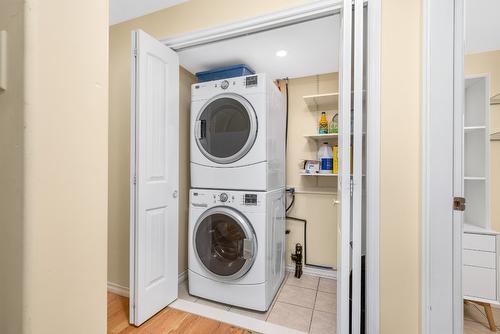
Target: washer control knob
[223,197]
[224,84]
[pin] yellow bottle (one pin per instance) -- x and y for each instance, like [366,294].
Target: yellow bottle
[323,124]
[335,159]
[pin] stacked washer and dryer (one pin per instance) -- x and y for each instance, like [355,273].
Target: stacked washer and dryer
[237,200]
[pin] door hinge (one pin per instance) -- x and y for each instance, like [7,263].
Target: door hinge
[351,186]
[134,180]
[134,52]
[458,203]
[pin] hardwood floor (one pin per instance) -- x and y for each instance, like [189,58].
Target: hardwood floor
[168,320]
[475,322]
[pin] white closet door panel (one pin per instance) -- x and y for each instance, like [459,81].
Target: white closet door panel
[344,139]
[155,177]
[357,197]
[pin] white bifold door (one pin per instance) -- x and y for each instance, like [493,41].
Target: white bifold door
[154,177]
[352,162]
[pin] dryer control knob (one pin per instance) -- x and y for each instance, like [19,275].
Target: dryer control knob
[224,84]
[223,197]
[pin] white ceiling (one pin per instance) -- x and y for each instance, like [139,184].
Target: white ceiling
[482,25]
[124,10]
[312,48]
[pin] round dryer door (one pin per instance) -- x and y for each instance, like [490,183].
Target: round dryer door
[226,128]
[225,243]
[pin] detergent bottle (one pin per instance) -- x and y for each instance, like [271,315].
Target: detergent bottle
[325,157]
[323,124]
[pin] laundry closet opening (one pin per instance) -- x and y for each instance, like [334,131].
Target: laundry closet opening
[270,187]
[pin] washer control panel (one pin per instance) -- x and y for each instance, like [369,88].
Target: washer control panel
[215,197]
[250,199]
[223,197]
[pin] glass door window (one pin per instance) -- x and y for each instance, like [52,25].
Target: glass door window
[226,128]
[225,243]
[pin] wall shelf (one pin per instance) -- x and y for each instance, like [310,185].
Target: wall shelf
[317,174]
[326,136]
[476,152]
[322,101]
[495,99]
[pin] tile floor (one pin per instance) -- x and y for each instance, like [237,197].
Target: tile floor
[308,304]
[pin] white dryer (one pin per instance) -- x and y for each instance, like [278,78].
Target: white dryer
[236,246]
[238,134]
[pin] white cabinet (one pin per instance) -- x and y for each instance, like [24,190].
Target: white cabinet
[480,254]
[480,264]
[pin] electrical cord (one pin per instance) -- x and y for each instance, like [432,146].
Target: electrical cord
[286,122]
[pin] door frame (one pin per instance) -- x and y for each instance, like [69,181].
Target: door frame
[433,129]
[304,13]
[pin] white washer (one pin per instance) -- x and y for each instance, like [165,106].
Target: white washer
[236,246]
[238,134]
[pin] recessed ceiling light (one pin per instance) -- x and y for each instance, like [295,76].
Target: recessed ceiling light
[281,53]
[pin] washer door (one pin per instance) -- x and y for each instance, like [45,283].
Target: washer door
[226,128]
[225,243]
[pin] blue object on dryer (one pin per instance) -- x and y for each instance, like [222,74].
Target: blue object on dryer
[224,72]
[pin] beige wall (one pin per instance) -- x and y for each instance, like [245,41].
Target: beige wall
[400,139]
[186,80]
[318,208]
[400,166]
[480,63]
[11,170]
[65,166]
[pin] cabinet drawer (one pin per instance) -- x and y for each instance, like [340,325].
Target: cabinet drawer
[479,282]
[480,242]
[479,258]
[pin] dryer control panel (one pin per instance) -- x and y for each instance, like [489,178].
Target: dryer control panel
[250,84]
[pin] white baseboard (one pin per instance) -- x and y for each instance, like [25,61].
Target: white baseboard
[118,289]
[314,271]
[124,291]
[183,276]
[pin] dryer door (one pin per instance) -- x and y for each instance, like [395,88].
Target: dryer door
[225,243]
[226,128]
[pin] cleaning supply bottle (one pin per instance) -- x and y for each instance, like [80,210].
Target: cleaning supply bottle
[333,127]
[323,124]
[335,159]
[325,157]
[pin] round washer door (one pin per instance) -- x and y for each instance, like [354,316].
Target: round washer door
[226,128]
[225,243]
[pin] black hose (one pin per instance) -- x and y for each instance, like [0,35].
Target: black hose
[305,243]
[293,192]
[291,203]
